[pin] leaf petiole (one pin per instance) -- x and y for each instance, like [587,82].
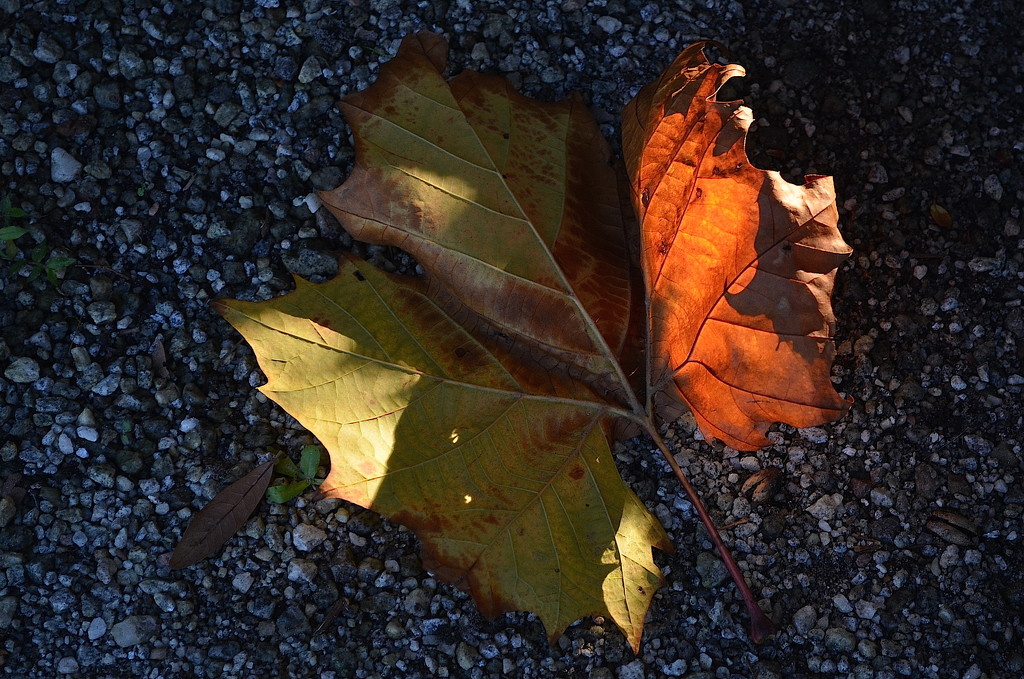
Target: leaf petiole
[761,626]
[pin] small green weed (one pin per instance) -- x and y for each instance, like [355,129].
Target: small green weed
[302,476]
[39,259]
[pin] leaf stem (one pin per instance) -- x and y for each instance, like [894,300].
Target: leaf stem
[761,626]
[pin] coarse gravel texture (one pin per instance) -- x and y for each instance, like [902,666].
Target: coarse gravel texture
[172,148]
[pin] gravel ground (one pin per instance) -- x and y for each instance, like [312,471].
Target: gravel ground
[171,148]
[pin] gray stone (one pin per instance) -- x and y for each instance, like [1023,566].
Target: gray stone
[131,64]
[633,670]
[47,50]
[840,640]
[107,95]
[825,507]
[7,511]
[243,581]
[417,602]
[307,263]
[65,72]
[310,71]
[134,630]
[467,656]
[292,622]
[609,24]
[306,537]
[107,386]
[8,609]
[22,370]
[67,665]
[285,68]
[711,569]
[97,628]
[805,619]
[303,570]
[102,312]
[64,167]
[9,70]
[102,474]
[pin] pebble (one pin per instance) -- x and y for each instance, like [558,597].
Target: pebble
[97,628]
[67,665]
[302,570]
[131,64]
[108,96]
[805,619]
[609,24]
[64,167]
[292,622]
[466,655]
[632,670]
[306,537]
[134,630]
[243,581]
[826,506]
[840,640]
[8,510]
[711,569]
[8,608]
[47,49]
[22,370]
[311,70]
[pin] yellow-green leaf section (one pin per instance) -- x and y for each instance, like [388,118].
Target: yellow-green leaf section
[509,204]
[501,469]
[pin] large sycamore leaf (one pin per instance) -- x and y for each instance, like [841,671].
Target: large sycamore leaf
[475,404]
[501,469]
[738,263]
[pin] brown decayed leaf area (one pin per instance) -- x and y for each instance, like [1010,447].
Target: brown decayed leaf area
[738,263]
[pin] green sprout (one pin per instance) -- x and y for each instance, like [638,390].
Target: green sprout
[8,232]
[302,476]
[39,259]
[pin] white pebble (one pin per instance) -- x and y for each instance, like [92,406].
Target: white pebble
[63,166]
[97,628]
[306,537]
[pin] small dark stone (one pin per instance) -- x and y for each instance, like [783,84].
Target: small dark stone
[262,606]
[128,461]
[15,538]
[292,622]
[285,68]
[221,93]
[107,95]
[225,651]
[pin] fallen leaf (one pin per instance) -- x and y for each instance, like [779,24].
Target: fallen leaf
[503,470]
[222,517]
[738,263]
[475,405]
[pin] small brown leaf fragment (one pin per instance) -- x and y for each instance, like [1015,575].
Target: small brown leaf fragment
[940,216]
[222,517]
[762,484]
[952,527]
